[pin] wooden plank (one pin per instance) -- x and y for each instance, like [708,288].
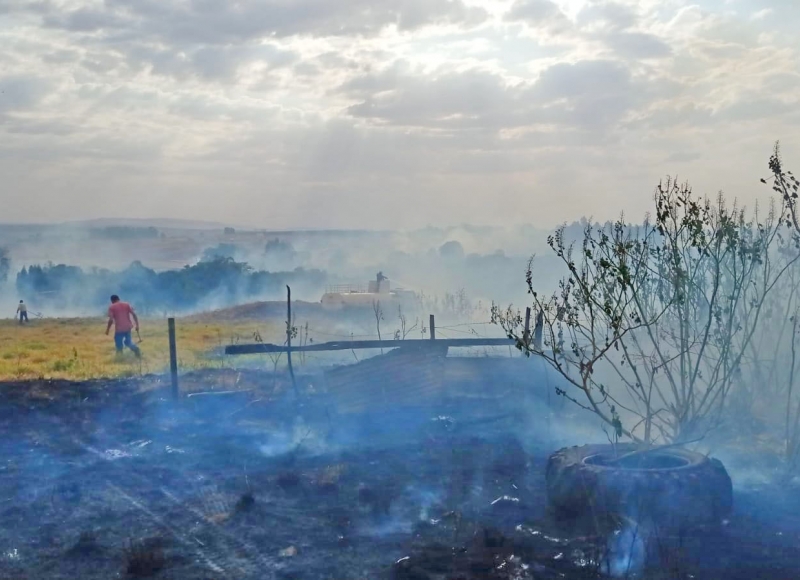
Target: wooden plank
[262,348]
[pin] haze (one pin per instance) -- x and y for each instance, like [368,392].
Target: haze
[386,114]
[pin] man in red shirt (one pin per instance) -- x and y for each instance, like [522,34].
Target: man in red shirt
[120,314]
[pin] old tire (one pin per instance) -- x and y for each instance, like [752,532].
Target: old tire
[672,486]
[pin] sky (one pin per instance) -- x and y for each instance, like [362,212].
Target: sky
[388,113]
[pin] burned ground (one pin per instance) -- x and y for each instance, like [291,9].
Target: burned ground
[107,480]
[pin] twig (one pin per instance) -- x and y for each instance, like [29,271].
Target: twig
[211,393]
[243,408]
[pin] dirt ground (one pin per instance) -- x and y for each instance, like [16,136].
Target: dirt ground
[114,479]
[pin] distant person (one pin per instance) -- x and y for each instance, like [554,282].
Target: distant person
[120,315]
[22,310]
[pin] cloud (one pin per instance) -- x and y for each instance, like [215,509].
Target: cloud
[637,45]
[440,99]
[588,95]
[23,92]
[607,15]
[538,14]
[683,157]
[761,14]
[403,109]
[223,21]
[582,79]
[84,20]
[213,39]
[757,107]
[25,6]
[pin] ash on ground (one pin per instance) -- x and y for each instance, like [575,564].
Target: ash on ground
[114,480]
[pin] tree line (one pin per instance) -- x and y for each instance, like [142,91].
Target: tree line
[216,282]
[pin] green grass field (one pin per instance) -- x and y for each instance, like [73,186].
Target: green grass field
[78,348]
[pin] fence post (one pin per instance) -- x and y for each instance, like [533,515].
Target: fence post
[433,328]
[526,336]
[289,338]
[537,331]
[173,358]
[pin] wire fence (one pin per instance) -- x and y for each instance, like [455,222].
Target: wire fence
[310,335]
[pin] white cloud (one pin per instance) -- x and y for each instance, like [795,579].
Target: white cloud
[389,113]
[761,14]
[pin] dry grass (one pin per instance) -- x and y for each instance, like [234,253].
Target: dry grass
[79,349]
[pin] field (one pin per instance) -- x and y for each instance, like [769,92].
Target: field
[77,348]
[112,479]
[266,479]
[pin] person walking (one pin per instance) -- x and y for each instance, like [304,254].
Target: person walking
[120,315]
[22,311]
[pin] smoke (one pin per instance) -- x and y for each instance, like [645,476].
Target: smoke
[625,553]
[166,269]
[300,437]
[488,264]
[412,507]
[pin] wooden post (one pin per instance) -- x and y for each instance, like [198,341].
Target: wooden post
[173,358]
[526,336]
[537,332]
[289,337]
[433,328]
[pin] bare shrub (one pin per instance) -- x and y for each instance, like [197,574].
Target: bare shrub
[651,323]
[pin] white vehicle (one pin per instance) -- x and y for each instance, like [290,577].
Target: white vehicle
[359,296]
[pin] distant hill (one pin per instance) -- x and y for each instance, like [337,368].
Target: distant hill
[272,310]
[161,223]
